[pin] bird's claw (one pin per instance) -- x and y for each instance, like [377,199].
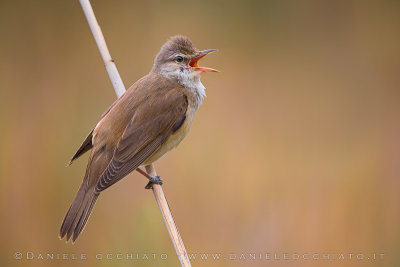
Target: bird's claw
[154,180]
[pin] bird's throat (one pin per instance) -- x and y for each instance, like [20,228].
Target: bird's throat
[190,80]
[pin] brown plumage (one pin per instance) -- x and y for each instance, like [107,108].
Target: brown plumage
[151,118]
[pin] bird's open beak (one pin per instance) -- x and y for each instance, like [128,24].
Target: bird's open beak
[193,62]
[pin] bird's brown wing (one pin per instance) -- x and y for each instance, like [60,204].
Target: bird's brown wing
[149,128]
[87,143]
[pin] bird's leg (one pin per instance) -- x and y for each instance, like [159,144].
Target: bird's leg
[152,179]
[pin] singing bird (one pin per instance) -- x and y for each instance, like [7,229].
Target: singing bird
[151,118]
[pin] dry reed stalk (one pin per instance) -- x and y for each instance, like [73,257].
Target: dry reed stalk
[120,90]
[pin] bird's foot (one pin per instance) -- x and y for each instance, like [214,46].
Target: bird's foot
[154,180]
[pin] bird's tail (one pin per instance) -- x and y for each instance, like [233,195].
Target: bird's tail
[79,212]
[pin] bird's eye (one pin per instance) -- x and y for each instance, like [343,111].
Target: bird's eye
[178,59]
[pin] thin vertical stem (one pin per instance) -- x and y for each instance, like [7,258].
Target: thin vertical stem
[169,220]
[111,68]
[120,90]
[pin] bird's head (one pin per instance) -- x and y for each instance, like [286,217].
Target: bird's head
[179,57]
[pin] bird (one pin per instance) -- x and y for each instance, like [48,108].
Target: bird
[148,120]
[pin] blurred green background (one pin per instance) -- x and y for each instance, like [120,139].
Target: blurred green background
[295,150]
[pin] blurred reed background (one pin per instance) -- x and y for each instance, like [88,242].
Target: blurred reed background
[295,150]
